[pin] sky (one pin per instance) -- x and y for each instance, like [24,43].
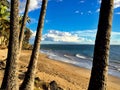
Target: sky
[71,21]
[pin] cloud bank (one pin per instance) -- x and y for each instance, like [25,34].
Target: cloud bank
[77,37]
[58,36]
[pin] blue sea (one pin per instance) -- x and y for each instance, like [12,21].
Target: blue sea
[82,55]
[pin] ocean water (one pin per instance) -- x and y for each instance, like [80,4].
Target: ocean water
[82,55]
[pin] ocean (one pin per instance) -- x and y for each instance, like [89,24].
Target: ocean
[82,55]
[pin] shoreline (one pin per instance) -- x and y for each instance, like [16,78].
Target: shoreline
[81,62]
[76,66]
[85,73]
[68,76]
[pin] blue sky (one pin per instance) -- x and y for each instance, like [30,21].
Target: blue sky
[71,21]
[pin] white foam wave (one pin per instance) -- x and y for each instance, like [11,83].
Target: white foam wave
[80,56]
[114,68]
[118,69]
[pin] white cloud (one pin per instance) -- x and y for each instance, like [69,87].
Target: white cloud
[99,1]
[98,10]
[116,3]
[77,11]
[82,1]
[86,33]
[83,37]
[78,37]
[32,38]
[89,12]
[34,4]
[81,13]
[58,36]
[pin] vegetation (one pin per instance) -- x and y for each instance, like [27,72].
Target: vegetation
[26,35]
[12,34]
[5,26]
[5,3]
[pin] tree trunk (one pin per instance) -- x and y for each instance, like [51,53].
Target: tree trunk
[24,20]
[10,74]
[28,83]
[99,71]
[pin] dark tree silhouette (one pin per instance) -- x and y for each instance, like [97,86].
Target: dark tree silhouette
[10,74]
[28,83]
[99,72]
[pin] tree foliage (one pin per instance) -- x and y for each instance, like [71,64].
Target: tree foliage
[5,25]
[5,3]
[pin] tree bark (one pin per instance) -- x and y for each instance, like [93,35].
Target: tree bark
[10,74]
[24,20]
[99,71]
[28,83]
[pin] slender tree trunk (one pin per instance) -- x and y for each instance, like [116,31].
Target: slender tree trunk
[28,83]
[99,72]
[24,20]
[10,74]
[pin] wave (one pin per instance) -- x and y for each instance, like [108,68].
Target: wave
[68,57]
[118,69]
[80,56]
[81,61]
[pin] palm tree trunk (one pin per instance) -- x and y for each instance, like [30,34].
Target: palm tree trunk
[99,72]
[24,20]
[28,83]
[10,74]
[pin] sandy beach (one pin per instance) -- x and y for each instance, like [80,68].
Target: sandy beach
[67,76]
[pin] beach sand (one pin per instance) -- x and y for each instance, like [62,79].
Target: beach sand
[67,76]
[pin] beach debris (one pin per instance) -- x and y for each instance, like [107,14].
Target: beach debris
[41,84]
[37,79]
[2,65]
[54,86]
[21,76]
